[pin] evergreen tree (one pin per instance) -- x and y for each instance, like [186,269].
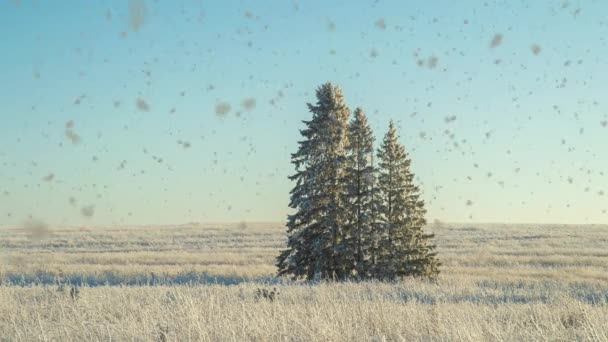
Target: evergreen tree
[360,179]
[421,256]
[404,249]
[373,241]
[317,233]
[352,218]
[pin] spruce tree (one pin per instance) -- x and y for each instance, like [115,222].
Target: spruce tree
[317,233]
[360,179]
[421,256]
[404,248]
[373,241]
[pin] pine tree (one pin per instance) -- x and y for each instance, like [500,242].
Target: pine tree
[404,249]
[421,256]
[391,216]
[317,232]
[360,179]
[373,241]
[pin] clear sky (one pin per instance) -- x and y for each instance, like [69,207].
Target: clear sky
[153,112]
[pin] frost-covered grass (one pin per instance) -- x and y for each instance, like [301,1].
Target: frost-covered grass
[328,312]
[199,282]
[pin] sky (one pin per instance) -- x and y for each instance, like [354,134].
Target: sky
[165,112]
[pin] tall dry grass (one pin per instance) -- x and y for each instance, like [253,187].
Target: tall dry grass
[499,282]
[410,310]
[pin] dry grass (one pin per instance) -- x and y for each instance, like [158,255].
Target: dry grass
[498,283]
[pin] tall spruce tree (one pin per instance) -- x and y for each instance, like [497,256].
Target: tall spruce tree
[404,248]
[373,241]
[360,179]
[317,233]
[421,256]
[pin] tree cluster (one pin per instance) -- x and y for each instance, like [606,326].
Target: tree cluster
[353,219]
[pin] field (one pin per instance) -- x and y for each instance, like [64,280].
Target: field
[200,282]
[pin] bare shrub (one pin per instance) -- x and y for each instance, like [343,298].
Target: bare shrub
[266,294]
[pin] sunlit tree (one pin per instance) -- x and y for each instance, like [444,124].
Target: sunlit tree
[360,179]
[317,232]
[404,248]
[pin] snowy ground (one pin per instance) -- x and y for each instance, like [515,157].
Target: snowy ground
[199,282]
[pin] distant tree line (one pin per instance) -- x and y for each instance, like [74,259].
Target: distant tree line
[353,219]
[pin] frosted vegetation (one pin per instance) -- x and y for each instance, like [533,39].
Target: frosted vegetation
[352,219]
[498,282]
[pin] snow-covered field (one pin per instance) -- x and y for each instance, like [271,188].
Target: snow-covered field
[200,282]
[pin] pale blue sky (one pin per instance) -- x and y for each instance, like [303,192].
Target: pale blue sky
[543,113]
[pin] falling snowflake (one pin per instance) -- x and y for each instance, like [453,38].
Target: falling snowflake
[222,109]
[496,40]
[137,14]
[380,24]
[142,105]
[535,49]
